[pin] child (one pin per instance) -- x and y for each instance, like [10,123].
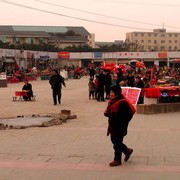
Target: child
[91,88]
[96,86]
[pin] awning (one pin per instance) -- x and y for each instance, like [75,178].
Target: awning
[174,60]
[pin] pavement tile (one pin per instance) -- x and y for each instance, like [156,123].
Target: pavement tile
[80,149]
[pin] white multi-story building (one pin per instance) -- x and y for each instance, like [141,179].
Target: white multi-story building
[158,40]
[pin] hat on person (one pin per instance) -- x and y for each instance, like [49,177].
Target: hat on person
[116,89]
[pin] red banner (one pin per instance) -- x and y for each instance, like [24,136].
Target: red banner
[162,55]
[63,55]
[132,94]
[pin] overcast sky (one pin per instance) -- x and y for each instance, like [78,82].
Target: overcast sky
[108,19]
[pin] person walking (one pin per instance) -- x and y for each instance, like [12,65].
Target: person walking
[119,112]
[56,81]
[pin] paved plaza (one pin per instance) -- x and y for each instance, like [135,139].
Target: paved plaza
[79,149]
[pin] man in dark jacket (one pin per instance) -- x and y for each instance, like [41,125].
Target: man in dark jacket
[107,84]
[119,113]
[101,85]
[56,81]
[139,84]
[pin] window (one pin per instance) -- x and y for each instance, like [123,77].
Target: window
[175,35]
[149,35]
[17,40]
[29,41]
[169,35]
[162,35]
[170,41]
[142,34]
[162,48]
[175,41]
[149,47]
[149,41]
[142,48]
[162,41]
[155,41]
[156,48]
[170,48]
[155,35]
[41,40]
[142,41]
[2,38]
[136,34]
[136,41]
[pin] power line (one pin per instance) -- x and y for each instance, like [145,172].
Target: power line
[113,17]
[152,4]
[88,12]
[141,3]
[67,16]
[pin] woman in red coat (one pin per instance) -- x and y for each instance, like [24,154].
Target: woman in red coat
[119,112]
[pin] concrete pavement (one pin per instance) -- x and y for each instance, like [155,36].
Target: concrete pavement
[80,149]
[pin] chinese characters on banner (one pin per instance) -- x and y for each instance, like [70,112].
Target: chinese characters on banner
[132,94]
[63,55]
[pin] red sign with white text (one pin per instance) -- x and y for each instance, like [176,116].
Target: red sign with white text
[63,55]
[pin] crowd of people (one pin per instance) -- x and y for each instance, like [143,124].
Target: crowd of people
[105,84]
[102,78]
[99,84]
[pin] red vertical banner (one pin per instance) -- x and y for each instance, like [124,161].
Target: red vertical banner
[28,55]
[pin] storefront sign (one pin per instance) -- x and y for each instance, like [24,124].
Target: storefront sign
[162,55]
[63,55]
[98,54]
[2,77]
[9,53]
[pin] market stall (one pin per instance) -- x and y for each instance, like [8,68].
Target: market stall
[3,80]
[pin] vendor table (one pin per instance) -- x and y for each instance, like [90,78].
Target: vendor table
[3,80]
[20,94]
[164,94]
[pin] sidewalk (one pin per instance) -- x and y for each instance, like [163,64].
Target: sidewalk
[80,149]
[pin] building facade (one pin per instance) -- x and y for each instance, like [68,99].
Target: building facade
[52,35]
[158,40]
[27,58]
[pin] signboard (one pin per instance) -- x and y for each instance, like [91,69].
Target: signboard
[98,55]
[162,55]
[2,77]
[9,53]
[131,93]
[44,58]
[63,55]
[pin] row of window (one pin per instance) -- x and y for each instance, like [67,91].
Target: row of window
[20,40]
[28,40]
[155,35]
[161,48]
[155,41]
